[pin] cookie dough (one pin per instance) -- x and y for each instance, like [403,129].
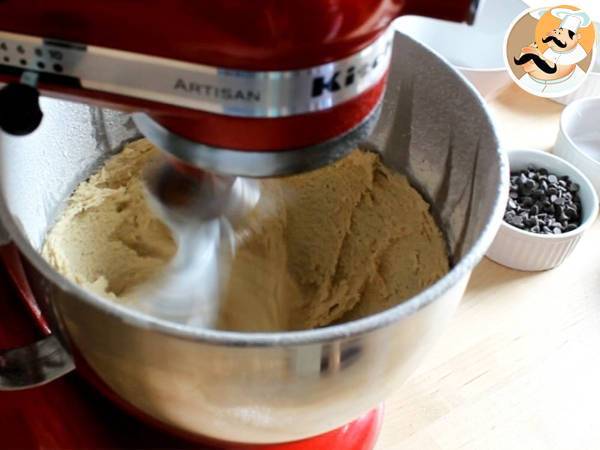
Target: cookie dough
[107,239]
[336,244]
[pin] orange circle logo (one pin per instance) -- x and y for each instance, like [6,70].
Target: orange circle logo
[549,51]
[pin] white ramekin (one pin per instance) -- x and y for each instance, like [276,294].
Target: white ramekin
[483,63]
[523,250]
[589,88]
[578,121]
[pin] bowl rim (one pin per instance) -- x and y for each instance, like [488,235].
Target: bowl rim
[457,274]
[568,111]
[485,9]
[485,70]
[586,183]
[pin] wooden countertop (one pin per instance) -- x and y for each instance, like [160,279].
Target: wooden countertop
[519,365]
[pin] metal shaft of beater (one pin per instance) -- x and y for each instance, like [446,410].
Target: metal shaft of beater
[202,210]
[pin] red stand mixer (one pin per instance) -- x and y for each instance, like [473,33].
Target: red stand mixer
[236,88]
[229,86]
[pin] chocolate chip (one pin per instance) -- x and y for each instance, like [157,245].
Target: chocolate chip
[571,212]
[528,186]
[542,202]
[561,215]
[538,193]
[517,221]
[522,178]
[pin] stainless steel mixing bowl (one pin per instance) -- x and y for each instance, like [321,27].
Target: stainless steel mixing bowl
[259,388]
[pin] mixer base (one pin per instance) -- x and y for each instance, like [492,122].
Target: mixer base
[360,434]
[68,414]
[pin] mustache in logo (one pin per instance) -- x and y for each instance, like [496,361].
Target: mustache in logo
[555,40]
[537,60]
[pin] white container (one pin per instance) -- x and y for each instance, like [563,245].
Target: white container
[523,250]
[578,139]
[589,88]
[475,50]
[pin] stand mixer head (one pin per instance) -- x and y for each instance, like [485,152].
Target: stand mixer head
[217,84]
[226,89]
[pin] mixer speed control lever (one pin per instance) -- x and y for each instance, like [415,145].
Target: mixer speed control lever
[20,111]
